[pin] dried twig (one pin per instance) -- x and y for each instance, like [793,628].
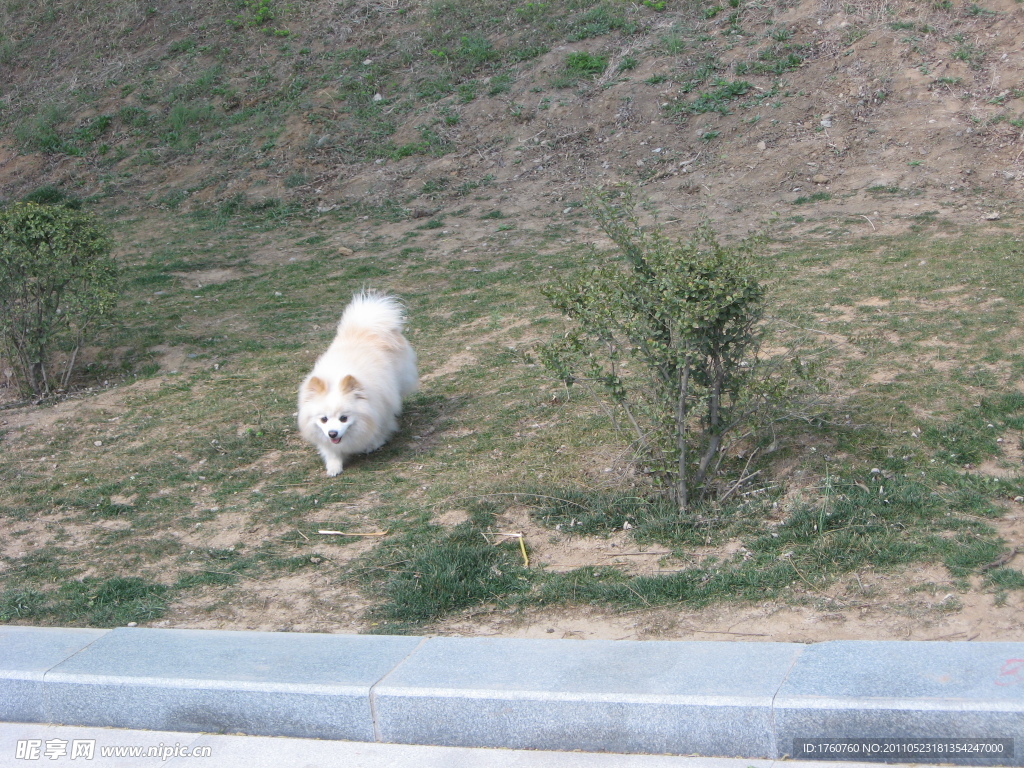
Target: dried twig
[634,554]
[725,632]
[646,602]
[1003,559]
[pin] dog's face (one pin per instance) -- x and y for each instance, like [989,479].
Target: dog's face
[333,426]
[334,411]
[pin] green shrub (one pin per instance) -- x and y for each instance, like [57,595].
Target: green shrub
[670,335]
[57,279]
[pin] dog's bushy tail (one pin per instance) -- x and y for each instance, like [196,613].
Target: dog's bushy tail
[375,312]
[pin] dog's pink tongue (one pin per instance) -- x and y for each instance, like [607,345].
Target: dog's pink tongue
[335,440]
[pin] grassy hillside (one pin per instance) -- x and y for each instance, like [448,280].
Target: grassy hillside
[417,103]
[259,161]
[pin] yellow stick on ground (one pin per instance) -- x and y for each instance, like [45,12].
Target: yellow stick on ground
[522,548]
[522,544]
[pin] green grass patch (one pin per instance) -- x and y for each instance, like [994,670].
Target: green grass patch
[434,573]
[580,66]
[90,602]
[718,100]
[817,197]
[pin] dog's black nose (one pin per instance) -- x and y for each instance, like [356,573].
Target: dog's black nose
[332,434]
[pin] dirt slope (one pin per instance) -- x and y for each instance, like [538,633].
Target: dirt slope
[865,111]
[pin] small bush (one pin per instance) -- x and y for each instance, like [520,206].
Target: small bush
[669,334]
[57,279]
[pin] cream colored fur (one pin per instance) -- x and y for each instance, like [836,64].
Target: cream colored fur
[351,400]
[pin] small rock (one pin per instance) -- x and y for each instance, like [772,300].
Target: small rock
[346,252]
[820,179]
[994,216]
[98,443]
[761,146]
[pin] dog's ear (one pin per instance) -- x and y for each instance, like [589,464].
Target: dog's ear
[315,387]
[350,385]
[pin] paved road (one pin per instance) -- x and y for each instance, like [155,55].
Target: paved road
[71,746]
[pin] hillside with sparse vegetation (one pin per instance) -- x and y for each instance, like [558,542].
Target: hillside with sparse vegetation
[258,160]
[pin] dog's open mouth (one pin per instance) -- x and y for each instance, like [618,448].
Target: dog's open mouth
[335,440]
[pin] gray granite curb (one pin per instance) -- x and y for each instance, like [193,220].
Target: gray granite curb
[716,699]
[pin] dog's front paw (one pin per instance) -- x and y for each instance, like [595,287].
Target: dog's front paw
[333,468]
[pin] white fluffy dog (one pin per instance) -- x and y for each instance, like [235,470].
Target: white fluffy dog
[351,400]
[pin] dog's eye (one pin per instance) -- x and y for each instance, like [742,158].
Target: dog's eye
[343,419]
[323,419]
